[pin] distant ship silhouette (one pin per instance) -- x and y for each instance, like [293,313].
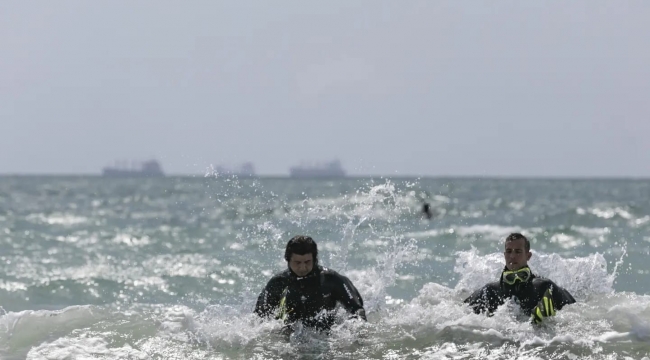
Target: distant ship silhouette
[332,169]
[149,168]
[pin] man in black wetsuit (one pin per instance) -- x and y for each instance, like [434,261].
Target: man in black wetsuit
[538,297]
[306,291]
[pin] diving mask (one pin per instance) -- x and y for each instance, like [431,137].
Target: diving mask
[511,277]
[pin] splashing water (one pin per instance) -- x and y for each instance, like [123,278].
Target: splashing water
[171,268]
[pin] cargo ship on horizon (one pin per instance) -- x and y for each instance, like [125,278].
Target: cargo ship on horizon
[150,168]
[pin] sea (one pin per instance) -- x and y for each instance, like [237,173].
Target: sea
[170,268]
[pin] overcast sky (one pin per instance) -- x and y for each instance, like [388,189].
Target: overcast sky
[494,88]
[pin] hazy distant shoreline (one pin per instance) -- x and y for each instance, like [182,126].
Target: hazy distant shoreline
[348,177]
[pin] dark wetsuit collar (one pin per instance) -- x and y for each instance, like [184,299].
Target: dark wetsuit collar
[314,272]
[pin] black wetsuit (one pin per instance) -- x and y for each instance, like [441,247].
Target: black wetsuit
[306,297]
[491,296]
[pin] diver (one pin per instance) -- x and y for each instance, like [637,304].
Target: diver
[538,297]
[307,292]
[426,207]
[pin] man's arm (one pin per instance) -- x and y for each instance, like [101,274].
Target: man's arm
[348,295]
[485,299]
[269,298]
[562,297]
[554,298]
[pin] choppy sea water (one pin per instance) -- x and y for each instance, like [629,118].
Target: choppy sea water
[94,268]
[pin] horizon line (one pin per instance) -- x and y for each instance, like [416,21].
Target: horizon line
[355,176]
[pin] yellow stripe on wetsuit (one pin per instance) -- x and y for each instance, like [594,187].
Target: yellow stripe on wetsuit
[283,309]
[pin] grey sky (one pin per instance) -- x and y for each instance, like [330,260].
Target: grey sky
[404,87]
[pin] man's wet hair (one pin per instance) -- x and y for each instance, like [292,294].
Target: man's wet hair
[518,236]
[301,245]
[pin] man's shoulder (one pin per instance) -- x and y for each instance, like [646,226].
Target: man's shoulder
[332,277]
[281,276]
[486,298]
[540,281]
[491,286]
[563,296]
[328,273]
[541,284]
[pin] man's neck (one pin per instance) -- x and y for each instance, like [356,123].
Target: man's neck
[312,273]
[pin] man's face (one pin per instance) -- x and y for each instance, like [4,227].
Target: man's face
[516,254]
[301,265]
